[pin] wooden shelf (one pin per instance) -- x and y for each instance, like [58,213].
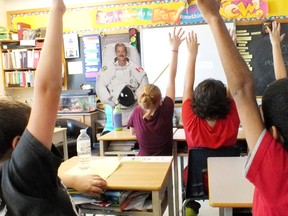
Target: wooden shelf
[16,56]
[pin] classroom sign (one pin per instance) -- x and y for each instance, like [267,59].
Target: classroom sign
[176,12]
[146,14]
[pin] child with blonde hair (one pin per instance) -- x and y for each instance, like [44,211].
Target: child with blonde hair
[151,120]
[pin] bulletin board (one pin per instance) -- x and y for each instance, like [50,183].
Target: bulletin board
[258,53]
[156,51]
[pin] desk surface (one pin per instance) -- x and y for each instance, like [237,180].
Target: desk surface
[125,134]
[133,174]
[228,186]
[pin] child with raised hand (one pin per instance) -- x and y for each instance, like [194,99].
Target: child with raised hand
[209,114]
[29,181]
[267,164]
[276,38]
[151,120]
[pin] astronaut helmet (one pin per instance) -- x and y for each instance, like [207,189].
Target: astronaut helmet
[127,97]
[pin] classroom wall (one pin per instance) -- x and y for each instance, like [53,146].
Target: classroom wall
[11,5]
[276,7]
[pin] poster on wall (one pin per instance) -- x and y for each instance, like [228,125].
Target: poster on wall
[71,45]
[92,60]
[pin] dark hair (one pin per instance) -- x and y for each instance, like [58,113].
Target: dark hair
[14,118]
[275,107]
[210,100]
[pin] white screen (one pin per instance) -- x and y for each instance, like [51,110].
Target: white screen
[156,51]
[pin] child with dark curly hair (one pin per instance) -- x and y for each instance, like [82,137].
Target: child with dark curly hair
[209,114]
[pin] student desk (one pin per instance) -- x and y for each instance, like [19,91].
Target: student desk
[140,174]
[179,136]
[60,138]
[228,187]
[124,135]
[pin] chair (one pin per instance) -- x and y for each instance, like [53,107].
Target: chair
[197,167]
[73,130]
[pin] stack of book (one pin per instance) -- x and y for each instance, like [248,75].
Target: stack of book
[121,146]
[115,201]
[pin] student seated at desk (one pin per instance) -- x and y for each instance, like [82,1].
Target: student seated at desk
[209,114]
[267,165]
[151,120]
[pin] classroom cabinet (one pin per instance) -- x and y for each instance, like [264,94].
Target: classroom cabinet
[19,63]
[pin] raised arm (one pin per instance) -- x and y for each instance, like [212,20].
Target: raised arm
[275,38]
[175,40]
[192,46]
[237,73]
[48,79]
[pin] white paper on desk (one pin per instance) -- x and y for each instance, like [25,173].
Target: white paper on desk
[103,167]
[161,159]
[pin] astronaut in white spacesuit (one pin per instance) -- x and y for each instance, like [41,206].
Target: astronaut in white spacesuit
[119,80]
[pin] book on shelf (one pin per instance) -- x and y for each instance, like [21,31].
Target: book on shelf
[128,200]
[111,200]
[36,58]
[116,196]
[20,28]
[19,78]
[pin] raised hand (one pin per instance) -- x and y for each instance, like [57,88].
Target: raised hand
[192,43]
[275,32]
[209,8]
[176,39]
[59,5]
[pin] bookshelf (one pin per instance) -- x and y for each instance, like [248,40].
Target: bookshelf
[19,63]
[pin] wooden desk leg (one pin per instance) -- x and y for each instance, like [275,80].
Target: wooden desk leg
[156,203]
[225,211]
[176,179]
[65,145]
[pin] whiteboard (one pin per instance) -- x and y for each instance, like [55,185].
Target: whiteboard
[156,52]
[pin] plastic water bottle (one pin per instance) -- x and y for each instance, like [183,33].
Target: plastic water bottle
[84,149]
[117,119]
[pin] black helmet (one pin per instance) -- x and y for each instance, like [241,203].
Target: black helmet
[126,97]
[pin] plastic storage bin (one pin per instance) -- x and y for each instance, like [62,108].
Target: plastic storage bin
[77,101]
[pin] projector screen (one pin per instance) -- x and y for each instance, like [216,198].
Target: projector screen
[156,51]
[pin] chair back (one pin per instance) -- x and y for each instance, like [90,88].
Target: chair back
[73,127]
[197,163]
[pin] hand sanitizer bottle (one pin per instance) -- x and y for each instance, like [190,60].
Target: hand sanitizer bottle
[117,119]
